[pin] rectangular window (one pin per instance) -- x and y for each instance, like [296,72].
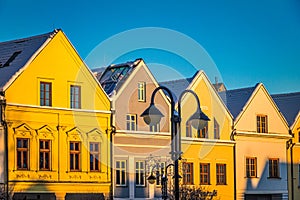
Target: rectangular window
[131,122]
[23,153]
[262,123]
[94,156]
[140,173]
[188,175]
[202,133]
[155,128]
[45,94]
[188,130]
[142,91]
[216,129]
[299,136]
[75,96]
[274,168]
[75,151]
[160,172]
[45,155]
[221,174]
[121,173]
[251,167]
[204,173]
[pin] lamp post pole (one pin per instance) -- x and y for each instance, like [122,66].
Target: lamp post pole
[152,116]
[175,151]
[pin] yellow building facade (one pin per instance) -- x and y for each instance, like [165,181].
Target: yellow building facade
[58,124]
[208,154]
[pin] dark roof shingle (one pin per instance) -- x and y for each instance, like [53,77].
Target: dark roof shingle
[288,104]
[16,53]
[236,99]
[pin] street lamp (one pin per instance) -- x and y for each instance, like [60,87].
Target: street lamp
[152,116]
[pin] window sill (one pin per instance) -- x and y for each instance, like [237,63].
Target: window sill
[123,186]
[278,178]
[251,177]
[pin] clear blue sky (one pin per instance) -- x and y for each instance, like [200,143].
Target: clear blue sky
[250,41]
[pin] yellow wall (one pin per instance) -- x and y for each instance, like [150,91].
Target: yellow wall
[58,63]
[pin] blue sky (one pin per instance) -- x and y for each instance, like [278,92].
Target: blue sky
[248,41]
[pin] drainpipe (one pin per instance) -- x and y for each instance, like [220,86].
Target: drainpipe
[290,146]
[234,161]
[4,124]
[112,133]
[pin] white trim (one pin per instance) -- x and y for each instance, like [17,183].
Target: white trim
[295,121]
[85,65]
[58,108]
[204,140]
[19,72]
[142,146]
[141,133]
[267,192]
[252,96]
[206,80]
[263,135]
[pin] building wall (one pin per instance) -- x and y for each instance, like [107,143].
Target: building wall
[59,64]
[138,145]
[2,160]
[262,146]
[294,157]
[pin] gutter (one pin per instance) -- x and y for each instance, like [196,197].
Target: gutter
[290,146]
[233,133]
[112,132]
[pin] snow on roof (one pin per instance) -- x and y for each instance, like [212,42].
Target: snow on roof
[288,104]
[15,54]
[236,99]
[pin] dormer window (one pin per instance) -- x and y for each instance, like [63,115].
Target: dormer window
[262,123]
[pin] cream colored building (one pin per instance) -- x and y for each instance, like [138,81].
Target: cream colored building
[261,134]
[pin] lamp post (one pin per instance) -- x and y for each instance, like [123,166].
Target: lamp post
[152,116]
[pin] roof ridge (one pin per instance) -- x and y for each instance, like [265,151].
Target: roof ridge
[285,94]
[51,34]
[240,89]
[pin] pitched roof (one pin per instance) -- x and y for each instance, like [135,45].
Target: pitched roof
[177,86]
[114,76]
[236,99]
[16,53]
[288,104]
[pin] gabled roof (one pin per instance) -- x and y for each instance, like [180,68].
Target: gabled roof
[114,76]
[178,86]
[236,99]
[289,105]
[16,53]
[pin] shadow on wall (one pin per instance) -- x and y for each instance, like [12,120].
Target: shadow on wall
[41,192]
[35,192]
[268,182]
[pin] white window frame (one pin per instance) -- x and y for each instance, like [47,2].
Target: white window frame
[131,122]
[142,91]
[122,171]
[140,173]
